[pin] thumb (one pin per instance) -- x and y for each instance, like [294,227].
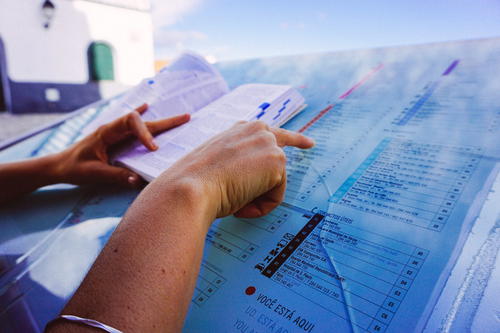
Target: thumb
[116,175]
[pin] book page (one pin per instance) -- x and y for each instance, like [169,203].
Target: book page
[244,103]
[185,86]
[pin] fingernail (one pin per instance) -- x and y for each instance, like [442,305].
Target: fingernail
[154,145]
[311,141]
[132,179]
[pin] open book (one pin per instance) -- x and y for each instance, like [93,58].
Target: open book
[191,85]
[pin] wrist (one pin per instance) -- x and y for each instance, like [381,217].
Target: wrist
[190,194]
[54,168]
[49,167]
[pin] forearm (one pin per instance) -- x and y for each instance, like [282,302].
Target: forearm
[144,278]
[20,178]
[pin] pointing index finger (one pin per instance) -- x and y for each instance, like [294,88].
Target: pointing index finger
[159,126]
[141,109]
[289,138]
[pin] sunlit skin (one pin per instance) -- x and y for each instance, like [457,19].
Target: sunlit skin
[86,162]
[144,278]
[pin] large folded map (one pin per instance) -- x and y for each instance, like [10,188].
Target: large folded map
[374,218]
[376,214]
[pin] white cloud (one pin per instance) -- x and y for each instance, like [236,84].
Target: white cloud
[168,12]
[168,37]
[171,42]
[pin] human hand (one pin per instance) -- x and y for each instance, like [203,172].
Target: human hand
[241,171]
[87,162]
[161,236]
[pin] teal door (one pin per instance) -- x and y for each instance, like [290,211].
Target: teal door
[101,62]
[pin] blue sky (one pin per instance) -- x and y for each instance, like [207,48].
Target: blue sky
[234,29]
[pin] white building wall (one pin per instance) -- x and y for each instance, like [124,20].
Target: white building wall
[59,54]
[129,32]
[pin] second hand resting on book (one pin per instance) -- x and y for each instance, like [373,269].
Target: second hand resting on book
[86,162]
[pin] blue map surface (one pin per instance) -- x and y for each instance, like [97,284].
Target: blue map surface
[374,216]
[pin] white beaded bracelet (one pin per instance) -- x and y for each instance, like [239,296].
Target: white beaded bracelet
[87,322]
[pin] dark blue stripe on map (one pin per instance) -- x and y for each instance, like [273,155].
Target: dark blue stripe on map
[451,67]
[418,104]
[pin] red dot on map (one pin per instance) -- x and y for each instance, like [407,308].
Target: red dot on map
[250,290]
